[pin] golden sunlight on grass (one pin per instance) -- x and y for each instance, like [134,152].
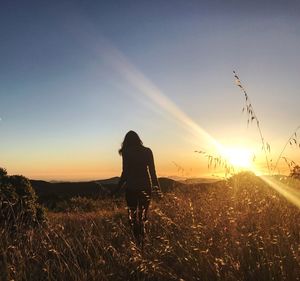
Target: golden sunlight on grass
[241,228]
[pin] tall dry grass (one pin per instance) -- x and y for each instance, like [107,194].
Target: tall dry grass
[238,229]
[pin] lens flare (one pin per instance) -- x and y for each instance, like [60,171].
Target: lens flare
[290,193]
[153,94]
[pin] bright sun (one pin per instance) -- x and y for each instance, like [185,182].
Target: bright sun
[239,157]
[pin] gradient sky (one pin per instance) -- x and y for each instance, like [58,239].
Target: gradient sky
[75,76]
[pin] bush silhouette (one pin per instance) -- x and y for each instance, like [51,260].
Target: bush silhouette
[18,202]
[295,172]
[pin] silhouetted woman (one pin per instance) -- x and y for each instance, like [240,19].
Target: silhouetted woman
[139,177]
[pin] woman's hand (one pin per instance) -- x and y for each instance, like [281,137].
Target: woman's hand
[157,192]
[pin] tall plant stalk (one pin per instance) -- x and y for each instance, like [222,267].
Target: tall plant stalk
[217,161]
[293,137]
[253,117]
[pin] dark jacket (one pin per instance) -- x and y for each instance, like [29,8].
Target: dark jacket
[138,169]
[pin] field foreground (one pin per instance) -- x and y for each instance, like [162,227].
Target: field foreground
[240,229]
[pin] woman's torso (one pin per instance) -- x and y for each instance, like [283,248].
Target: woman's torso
[136,161]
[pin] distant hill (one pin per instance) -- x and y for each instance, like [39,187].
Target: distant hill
[200,180]
[168,185]
[113,180]
[56,191]
[51,192]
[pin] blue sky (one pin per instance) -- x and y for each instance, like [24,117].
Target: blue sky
[65,106]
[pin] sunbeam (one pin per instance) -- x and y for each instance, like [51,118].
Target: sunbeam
[291,194]
[150,91]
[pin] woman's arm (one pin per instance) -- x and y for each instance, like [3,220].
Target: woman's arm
[123,177]
[152,171]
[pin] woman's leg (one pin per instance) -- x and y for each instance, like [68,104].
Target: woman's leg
[132,206]
[138,204]
[143,206]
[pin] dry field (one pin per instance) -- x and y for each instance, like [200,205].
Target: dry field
[240,229]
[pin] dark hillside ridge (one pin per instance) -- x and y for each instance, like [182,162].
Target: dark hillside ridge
[64,190]
[52,191]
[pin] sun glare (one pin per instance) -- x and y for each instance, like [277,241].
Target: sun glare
[239,157]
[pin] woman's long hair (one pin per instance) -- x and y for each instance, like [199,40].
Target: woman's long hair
[131,139]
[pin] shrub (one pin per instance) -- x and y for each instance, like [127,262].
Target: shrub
[18,202]
[295,172]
